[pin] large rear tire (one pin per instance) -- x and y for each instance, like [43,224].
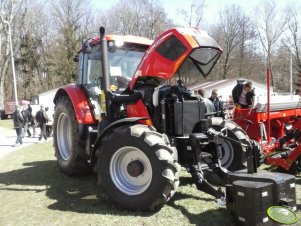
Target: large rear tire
[233,154]
[69,148]
[137,167]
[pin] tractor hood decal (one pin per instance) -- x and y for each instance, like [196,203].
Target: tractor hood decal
[167,53]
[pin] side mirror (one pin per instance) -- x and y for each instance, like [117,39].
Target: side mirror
[86,46]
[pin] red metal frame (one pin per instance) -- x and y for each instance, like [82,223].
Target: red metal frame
[274,125]
[268,107]
[139,110]
[251,124]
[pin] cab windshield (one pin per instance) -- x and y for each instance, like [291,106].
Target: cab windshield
[123,62]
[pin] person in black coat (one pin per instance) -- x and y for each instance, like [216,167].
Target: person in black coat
[42,119]
[218,104]
[27,118]
[32,120]
[243,95]
[18,124]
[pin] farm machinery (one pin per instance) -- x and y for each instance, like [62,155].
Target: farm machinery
[280,138]
[130,119]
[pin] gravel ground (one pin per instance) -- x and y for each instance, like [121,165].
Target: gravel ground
[8,139]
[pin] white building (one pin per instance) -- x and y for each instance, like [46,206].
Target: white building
[45,98]
[225,87]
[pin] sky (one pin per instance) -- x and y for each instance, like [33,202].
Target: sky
[211,10]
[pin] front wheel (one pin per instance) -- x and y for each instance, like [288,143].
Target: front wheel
[137,167]
[233,153]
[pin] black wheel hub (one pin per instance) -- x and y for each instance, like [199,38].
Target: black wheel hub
[135,168]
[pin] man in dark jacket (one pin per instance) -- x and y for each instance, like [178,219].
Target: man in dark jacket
[41,118]
[218,104]
[32,120]
[243,95]
[18,123]
[27,117]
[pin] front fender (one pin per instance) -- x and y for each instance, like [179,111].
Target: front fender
[108,129]
[82,107]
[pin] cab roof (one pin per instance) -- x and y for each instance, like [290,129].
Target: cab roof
[126,38]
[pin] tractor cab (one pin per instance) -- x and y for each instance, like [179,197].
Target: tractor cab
[124,55]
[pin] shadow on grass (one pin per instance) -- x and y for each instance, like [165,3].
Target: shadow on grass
[221,216]
[82,195]
[186,180]
[76,194]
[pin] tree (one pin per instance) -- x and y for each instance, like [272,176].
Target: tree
[270,25]
[135,17]
[194,16]
[234,33]
[70,16]
[293,38]
[12,12]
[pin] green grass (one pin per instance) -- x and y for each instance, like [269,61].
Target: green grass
[7,123]
[33,191]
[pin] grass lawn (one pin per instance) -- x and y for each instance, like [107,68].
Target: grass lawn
[33,191]
[7,123]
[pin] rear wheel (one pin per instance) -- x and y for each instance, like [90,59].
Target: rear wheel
[233,154]
[69,148]
[137,167]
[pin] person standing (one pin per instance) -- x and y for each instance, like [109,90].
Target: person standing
[49,122]
[26,117]
[41,119]
[201,93]
[243,95]
[32,120]
[18,123]
[218,104]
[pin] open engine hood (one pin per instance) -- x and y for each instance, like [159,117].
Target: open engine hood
[167,53]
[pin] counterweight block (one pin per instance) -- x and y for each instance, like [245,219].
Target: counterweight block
[250,195]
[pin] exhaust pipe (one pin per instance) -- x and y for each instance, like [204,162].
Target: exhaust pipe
[105,85]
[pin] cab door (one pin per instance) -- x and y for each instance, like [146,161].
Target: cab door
[90,79]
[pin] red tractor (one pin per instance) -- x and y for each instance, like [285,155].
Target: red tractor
[130,118]
[281,140]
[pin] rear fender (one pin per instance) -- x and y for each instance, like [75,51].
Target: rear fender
[81,105]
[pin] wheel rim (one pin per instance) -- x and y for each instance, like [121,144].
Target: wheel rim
[227,154]
[122,178]
[64,136]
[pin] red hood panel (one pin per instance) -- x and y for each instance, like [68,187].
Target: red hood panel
[169,50]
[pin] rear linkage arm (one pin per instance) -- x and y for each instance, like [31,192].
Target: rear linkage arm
[215,138]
